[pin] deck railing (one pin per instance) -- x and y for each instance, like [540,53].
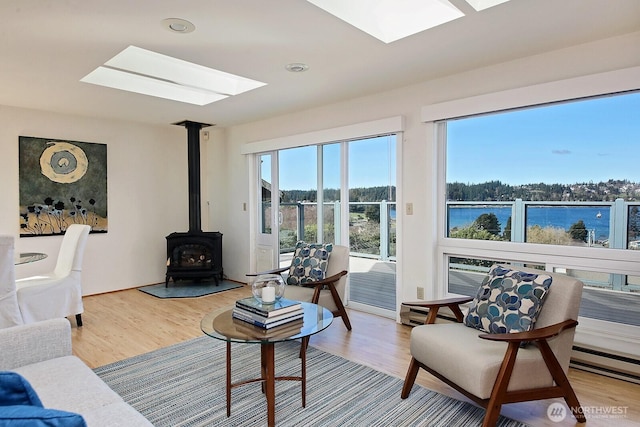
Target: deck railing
[614,224]
[372,227]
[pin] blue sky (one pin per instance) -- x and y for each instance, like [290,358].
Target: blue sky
[369,165]
[593,140]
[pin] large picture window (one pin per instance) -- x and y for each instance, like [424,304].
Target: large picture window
[561,174]
[556,186]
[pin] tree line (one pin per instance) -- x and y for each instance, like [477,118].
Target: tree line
[360,194]
[584,192]
[488,191]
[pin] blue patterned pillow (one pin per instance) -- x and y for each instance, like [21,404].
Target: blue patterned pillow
[309,262]
[508,301]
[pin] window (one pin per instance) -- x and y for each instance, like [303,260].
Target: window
[564,176]
[264,165]
[561,174]
[305,186]
[310,189]
[464,274]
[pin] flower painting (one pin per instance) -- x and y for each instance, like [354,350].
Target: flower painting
[61,183]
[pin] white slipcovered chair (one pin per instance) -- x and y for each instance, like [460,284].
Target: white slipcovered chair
[496,368]
[9,311]
[57,293]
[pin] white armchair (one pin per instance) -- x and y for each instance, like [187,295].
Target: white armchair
[9,311]
[57,293]
[497,368]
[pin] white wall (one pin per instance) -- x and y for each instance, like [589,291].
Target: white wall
[147,180]
[419,163]
[147,196]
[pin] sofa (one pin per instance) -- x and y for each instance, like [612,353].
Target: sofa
[41,353]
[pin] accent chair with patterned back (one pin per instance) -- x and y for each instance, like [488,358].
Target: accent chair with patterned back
[513,344]
[317,274]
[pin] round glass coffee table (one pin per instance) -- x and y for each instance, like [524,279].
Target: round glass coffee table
[27,257]
[221,325]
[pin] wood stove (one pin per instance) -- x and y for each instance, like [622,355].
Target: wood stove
[195,254]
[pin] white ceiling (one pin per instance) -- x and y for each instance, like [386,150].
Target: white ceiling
[47,46]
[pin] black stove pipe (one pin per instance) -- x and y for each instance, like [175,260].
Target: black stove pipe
[193,154]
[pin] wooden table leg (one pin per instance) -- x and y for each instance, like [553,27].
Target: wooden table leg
[263,369]
[303,368]
[268,359]
[228,379]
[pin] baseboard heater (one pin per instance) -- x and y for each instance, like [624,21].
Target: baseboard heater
[605,363]
[587,359]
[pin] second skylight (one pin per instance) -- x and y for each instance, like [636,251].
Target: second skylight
[150,73]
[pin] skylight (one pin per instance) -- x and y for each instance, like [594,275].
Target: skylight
[484,4]
[150,73]
[391,20]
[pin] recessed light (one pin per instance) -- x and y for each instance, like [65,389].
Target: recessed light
[178,25]
[297,67]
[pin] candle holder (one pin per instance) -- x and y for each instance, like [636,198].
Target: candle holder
[276,286]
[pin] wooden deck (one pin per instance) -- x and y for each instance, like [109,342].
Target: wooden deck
[600,304]
[373,283]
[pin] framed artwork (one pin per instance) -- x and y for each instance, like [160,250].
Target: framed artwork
[61,183]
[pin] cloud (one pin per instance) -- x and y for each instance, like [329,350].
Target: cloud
[561,152]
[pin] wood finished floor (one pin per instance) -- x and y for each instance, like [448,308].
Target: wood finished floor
[123,324]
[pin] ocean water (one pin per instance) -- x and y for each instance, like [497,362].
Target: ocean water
[594,218]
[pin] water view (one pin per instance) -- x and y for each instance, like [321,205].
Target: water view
[594,218]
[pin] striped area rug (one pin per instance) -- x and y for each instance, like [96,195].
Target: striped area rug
[184,385]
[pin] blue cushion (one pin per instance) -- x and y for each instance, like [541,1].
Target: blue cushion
[20,406]
[508,301]
[16,390]
[36,416]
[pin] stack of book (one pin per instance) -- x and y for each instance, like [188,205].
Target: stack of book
[268,316]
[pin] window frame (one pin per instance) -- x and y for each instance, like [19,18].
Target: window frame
[606,260]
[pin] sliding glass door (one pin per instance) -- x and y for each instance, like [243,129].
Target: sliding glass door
[372,222]
[341,192]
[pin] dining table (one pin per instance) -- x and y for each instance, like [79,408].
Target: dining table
[28,257]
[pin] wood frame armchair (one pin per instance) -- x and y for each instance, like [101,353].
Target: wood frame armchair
[464,357]
[327,292]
